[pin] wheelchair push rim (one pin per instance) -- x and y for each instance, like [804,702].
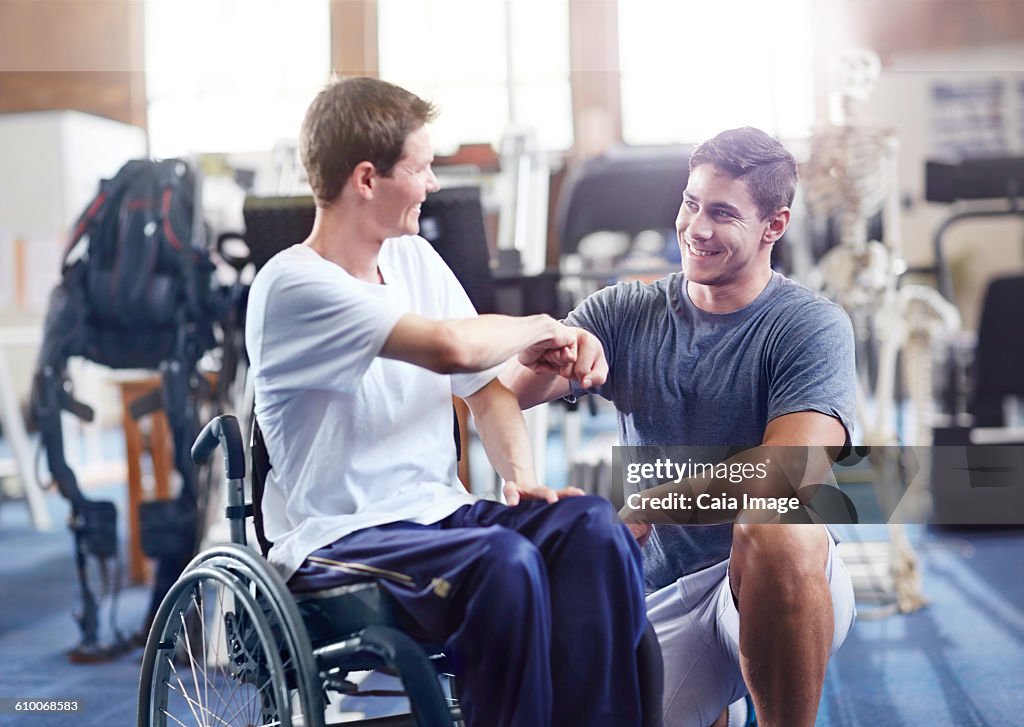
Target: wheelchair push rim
[213,660]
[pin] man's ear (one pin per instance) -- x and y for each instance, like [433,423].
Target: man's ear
[363,179]
[777,225]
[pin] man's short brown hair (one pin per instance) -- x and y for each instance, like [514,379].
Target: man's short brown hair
[760,160]
[353,120]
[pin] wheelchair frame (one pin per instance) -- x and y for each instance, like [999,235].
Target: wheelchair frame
[250,656]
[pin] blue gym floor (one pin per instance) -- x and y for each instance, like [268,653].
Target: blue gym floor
[959,661]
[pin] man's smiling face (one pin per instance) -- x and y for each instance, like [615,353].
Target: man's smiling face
[719,227]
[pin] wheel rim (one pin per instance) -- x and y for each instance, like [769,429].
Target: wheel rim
[214,659]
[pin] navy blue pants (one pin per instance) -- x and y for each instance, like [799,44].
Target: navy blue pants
[539,607]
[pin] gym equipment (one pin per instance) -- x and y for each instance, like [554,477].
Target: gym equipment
[627,189]
[980,188]
[136,292]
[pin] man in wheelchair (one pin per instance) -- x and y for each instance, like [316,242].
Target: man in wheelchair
[358,338]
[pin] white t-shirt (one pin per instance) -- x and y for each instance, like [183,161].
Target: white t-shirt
[355,440]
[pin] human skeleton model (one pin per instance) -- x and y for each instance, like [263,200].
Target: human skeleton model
[852,174]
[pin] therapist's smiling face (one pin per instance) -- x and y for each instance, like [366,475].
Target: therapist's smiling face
[719,227]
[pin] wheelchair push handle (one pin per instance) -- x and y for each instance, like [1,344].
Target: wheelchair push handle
[222,430]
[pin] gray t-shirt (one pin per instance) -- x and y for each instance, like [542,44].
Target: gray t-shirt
[680,376]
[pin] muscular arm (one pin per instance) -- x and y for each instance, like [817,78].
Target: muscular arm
[805,429]
[800,448]
[503,433]
[474,344]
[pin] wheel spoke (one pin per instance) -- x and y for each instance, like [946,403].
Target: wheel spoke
[199,602]
[240,655]
[183,691]
[168,714]
[188,651]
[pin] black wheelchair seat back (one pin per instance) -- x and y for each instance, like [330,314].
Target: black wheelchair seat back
[261,467]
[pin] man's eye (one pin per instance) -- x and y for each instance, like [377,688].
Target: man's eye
[690,205]
[723,214]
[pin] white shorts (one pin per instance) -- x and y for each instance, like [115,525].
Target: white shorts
[698,629]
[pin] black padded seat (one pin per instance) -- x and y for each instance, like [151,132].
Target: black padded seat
[359,627]
[341,611]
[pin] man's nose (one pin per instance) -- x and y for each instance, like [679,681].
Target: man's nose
[698,226]
[432,184]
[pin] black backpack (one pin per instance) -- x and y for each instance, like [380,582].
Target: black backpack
[137,291]
[137,263]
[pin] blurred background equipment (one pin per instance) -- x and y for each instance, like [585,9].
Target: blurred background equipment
[976,188]
[626,189]
[136,293]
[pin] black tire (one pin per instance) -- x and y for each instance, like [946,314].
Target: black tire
[220,652]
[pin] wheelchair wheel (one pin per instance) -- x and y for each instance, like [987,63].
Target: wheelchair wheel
[226,649]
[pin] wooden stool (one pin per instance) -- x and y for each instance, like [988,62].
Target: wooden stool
[158,447]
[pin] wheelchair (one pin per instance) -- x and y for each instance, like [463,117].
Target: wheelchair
[231,645]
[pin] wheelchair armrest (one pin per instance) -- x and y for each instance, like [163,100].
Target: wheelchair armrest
[222,430]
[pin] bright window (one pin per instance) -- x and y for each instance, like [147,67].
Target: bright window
[232,75]
[692,68]
[455,53]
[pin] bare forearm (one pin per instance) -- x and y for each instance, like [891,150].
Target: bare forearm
[531,388]
[503,433]
[757,480]
[470,344]
[797,451]
[488,340]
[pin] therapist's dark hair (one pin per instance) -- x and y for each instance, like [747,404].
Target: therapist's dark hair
[760,160]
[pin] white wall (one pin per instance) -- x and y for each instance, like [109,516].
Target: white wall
[51,163]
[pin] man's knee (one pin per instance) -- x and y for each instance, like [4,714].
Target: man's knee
[591,507]
[594,527]
[593,515]
[792,554]
[509,558]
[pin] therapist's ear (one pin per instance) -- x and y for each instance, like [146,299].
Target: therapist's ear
[777,225]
